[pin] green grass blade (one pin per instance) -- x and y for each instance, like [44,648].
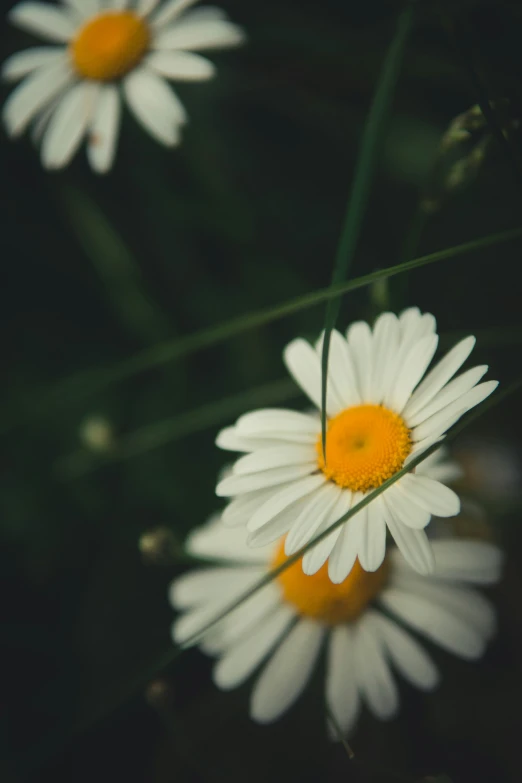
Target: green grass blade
[86,383]
[123,692]
[82,462]
[152,436]
[339,732]
[117,269]
[372,139]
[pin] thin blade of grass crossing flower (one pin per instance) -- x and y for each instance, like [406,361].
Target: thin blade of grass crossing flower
[373,136]
[90,382]
[82,462]
[56,741]
[412,464]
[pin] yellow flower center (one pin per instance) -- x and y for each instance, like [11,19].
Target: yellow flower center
[365,445]
[110,45]
[318,597]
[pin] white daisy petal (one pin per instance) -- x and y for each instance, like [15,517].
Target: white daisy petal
[427,325]
[407,656]
[372,547]
[408,322]
[103,133]
[470,606]
[413,544]
[374,679]
[68,125]
[439,376]
[386,337]
[196,587]
[215,540]
[146,7]
[83,9]
[456,409]
[434,622]
[241,508]
[170,11]
[469,561]
[183,66]
[311,517]
[273,457]
[347,546]
[316,557]
[230,439]
[418,448]
[284,498]
[46,21]
[287,673]
[438,467]
[35,93]
[235,666]
[242,620]
[278,526]
[410,514]
[430,495]
[341,371]
[237,485]
[450,393]
[154,105]
[199,35]
[304,365]
[413,327]
[200,621]
[41,122]
[285,421]
[342,695]
[360,343]
[415,364]
[23,63]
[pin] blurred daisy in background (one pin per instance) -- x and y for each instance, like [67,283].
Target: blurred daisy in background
[383,410]
[106,51]
[288,621]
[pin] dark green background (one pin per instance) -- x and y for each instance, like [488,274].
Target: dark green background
[245,214]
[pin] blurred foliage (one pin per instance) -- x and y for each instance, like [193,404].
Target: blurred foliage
[246,214]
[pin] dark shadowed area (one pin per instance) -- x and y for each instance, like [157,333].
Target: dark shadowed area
[97,450]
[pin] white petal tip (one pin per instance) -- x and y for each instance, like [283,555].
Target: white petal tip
[221,490]
[308,570]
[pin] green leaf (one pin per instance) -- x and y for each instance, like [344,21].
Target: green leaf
[90,382]
[372,139]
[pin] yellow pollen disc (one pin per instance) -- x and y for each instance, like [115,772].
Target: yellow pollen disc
[365,445]
[110,45]
[318,597]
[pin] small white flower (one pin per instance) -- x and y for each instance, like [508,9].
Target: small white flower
[290,619]
[382,412]
[106,51]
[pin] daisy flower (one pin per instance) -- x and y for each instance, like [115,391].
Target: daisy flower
[382,411]
[103,52]
[286,623]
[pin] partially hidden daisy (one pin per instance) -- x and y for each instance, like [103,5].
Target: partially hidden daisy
[104,52]
[285,625]
[382,410]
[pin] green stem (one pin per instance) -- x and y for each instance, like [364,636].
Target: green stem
[372,139]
